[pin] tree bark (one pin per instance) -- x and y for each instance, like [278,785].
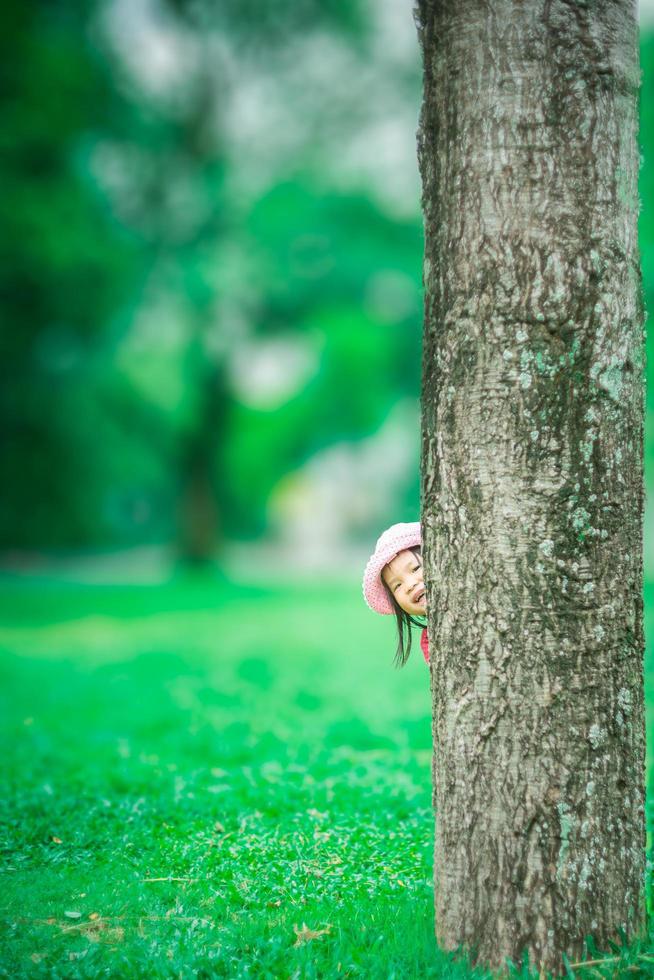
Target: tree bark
[532,473]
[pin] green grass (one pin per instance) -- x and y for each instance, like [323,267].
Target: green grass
[196,771]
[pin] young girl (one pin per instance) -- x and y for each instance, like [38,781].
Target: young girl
[393,583]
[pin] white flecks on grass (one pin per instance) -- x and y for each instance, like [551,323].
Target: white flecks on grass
[547,546]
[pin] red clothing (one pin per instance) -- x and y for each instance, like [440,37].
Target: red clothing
[424,643]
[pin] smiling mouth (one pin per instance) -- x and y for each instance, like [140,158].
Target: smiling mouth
[420,597]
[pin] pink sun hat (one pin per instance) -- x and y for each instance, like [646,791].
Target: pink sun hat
[396,538]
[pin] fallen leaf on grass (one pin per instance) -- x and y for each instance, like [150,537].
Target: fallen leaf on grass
[73,915]
[89,930]
[170,878]
[94,915]
[77,954]
[37,957]
[96,930]
[57,840]
[305,935]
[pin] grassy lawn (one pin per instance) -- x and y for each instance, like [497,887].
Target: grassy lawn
[214,779]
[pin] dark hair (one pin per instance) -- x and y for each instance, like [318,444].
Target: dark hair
[404,619]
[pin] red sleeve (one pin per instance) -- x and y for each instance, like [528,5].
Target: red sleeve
[424,643]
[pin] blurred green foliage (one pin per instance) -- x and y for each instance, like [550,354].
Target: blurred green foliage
[127,259]
[174,214]
[67,268]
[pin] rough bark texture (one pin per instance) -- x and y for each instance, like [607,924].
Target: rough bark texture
[532,472]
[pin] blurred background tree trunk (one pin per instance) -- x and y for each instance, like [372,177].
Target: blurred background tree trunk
[532,473]
[200,534]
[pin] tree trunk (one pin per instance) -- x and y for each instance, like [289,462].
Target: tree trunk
[532,473]
[199,531]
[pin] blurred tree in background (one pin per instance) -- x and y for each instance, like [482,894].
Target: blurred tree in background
[212,272]
[68,272]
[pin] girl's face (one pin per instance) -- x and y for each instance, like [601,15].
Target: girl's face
[403,576]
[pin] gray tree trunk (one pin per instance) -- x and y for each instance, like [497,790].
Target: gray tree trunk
[532,472]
